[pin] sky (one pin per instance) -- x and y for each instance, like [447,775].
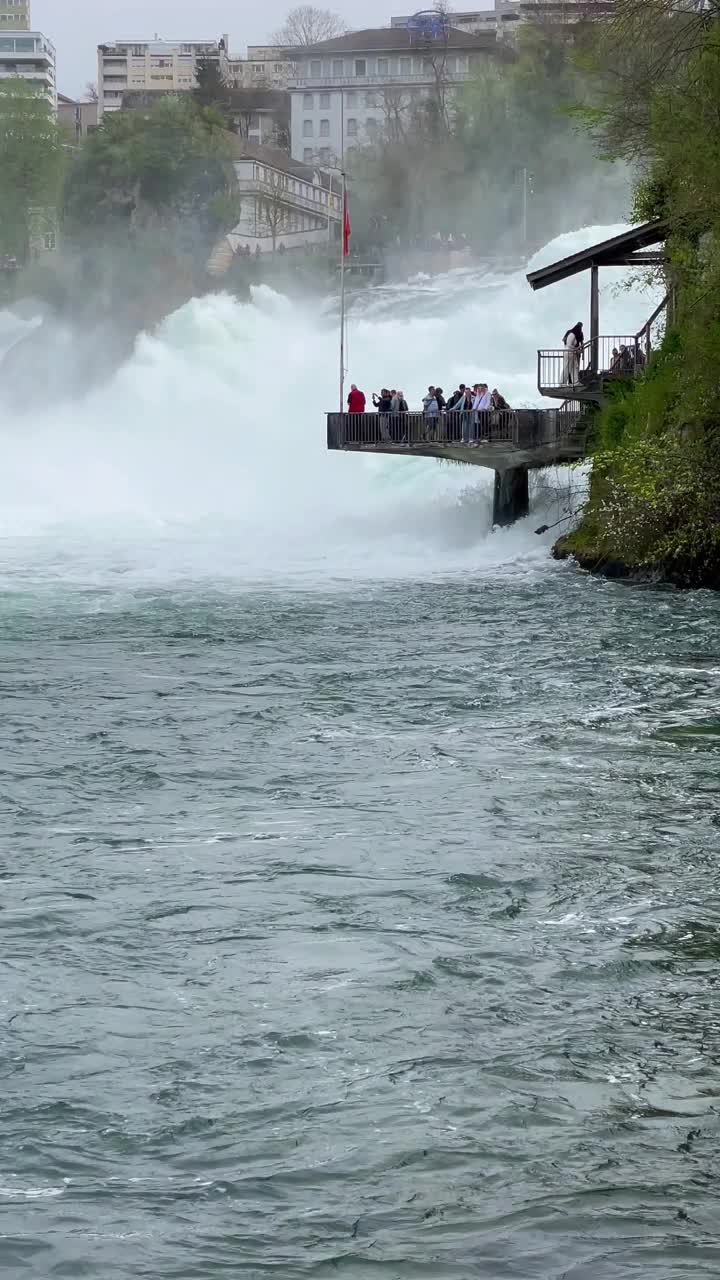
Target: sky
[77,27]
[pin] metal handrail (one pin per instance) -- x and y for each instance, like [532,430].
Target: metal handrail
[511,429]
[598,358]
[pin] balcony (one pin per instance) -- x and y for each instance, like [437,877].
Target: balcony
[283,195]
[376,81]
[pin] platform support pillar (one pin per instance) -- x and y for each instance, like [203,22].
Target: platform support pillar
[511,500]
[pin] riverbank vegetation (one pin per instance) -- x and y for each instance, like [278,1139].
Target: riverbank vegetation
[654,504]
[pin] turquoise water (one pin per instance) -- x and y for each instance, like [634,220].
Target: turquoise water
[359,867]
[363,930]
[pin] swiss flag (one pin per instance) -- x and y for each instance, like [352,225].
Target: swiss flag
[347,229]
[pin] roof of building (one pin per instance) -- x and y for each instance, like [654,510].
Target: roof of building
[394,40]
[609,253]
[277,159]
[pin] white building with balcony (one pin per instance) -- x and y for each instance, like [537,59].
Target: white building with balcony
[283,206]
[345,90]
[152,66]
[30,56]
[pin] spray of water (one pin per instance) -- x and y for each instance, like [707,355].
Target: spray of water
[204,454]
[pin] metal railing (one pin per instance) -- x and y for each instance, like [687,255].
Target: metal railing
[601,358]
[279,194]
[511,429]
[377,81]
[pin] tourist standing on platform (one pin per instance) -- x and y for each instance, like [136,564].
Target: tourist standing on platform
[465,408]
[382,404]
[573,342]
[498,401]
[356,400]
[432,412]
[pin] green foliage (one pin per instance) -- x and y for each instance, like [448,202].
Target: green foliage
[655,492]
[31,159]
[141,168]
[211,90]
[516,114]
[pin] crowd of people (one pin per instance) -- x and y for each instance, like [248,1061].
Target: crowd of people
[455,419]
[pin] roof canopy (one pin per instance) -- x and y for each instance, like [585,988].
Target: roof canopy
[617,252]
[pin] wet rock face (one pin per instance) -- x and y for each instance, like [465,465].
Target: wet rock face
[691,575]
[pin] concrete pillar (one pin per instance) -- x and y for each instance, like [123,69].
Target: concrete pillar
[511,500]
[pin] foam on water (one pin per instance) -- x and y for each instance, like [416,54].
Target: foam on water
[205,453]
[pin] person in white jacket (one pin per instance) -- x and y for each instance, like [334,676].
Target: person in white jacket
[481,403]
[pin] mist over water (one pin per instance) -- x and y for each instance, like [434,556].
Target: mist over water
[206,451]
[358,865]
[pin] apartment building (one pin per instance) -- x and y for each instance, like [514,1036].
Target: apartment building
[76,118]
[505,15]
[345,90]
[152,66]
[30,57]
[265,67]
[14,15]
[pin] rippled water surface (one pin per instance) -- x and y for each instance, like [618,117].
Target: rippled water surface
[360,930]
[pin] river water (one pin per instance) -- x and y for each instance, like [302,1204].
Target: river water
[359,872]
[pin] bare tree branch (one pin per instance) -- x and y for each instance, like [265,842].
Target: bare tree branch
[306,25]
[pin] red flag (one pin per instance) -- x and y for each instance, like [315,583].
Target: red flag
[347,229]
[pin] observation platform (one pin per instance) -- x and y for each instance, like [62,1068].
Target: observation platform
[509,442]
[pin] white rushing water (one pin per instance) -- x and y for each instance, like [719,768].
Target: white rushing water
[204,455]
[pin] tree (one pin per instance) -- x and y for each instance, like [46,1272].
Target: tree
[91,91]
[170,166]
[211,90]
[272,204]
[31,158]
[307,25]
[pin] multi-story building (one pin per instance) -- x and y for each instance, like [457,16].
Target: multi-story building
[284,205]
[265,67]
[76,118]
[505,15]
[261,116]
[14,15]
[148,66]
[346,90]
[30,57]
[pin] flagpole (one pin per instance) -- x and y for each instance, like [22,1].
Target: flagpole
[342,251]
[342,295]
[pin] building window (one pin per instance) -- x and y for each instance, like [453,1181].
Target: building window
[360,67]
[307,128]
[352,128]
[279,68]
[324,155]
[338,67]
[351,99]
[405,66]
[371,127]
[324,128]
[308,101]
[371,100]
[383,67]
[324,100]
[315,68]
[138,51]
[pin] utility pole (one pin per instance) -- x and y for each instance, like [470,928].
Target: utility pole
[527,190]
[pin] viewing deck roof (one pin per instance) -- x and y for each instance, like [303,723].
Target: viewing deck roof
[625,250]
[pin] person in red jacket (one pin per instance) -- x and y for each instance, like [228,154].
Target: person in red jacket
[356,400]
